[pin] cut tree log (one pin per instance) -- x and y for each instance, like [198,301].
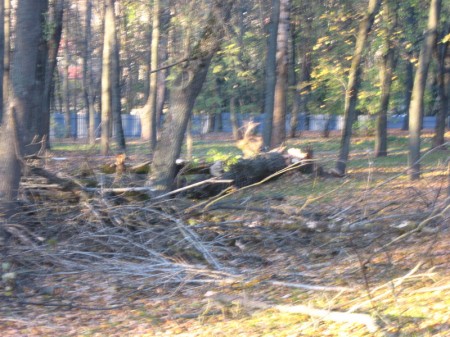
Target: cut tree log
[249,171]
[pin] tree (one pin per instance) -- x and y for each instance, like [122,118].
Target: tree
[150,106]
[279,109]
[388,61]
[116,104]
[442,55]
[354,79]
[87,71]
[54,28]
[17,129]
[6,37]
[29,36]
[65,80]
[270,80]
[301,29]
[417,99]
[184,92]
[2,52]
[108,52]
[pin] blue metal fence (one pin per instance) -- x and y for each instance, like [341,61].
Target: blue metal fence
[132,123]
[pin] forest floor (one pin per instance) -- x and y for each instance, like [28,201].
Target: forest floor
[363,255]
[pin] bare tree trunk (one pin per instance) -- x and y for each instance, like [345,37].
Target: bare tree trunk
[17,127]
[386,71]
[411,23]
[87,72]
[108,45]
[279,109]
[29,36]
[2,52]
[161,86]
[6,56]
[409,82]
[116,104]
[416,107]
[56,16]
[65,83]
[351,95]
[10,169]
[443,62]
[271,65]
[292,78]
[184,93]
[234,119]
[150,106]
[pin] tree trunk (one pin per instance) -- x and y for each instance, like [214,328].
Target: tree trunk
[161,86]
[2,52]
[234,118]
[271,65]
[416,107]
[108,51]
[292,78]
[116,104]
[150,106]
[351,95]
[40,116]
[184,93]
[56,17]
[28,38]
[279,109]
[10,169]
[65,83]
[443,64]
[87,72]
[411,24]
[386,71]
[409,82]
[16,130]
[6,57]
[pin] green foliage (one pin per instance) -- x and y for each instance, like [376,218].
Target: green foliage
[365,127]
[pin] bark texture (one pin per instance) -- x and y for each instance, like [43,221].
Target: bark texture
[280,94]
[388,63]
[417,99]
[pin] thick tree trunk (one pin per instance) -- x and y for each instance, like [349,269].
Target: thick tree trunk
[183,95]
[386,72]
[351,95]
[416,107]
[17,128]
[279,109]
[41,117]
[271,65]
[108,45]
[28,33]
[443,63]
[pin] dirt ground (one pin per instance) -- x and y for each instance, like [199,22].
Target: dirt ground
[121,266]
